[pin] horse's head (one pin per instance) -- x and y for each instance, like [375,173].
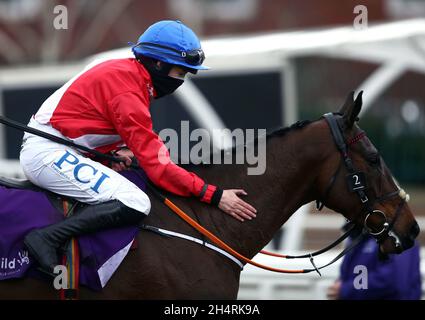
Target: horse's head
[356,182]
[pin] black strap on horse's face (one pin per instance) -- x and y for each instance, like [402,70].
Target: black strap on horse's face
[356,182]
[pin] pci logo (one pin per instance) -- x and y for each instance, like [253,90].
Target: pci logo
[10,265]
[79,172]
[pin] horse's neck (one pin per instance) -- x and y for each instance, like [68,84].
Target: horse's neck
[276,194]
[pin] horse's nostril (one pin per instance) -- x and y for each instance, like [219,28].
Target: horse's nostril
[409,240]
[414,231]
[408,243]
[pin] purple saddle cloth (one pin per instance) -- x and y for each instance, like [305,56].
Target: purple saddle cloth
[24,210]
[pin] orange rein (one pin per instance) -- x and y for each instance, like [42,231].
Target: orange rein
[223,245]
[166,201]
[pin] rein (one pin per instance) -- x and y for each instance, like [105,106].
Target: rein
[154,190]
[357,184]
[221,244]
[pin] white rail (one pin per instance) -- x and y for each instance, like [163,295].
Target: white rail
[11,168]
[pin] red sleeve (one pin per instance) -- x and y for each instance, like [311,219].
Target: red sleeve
[130,115]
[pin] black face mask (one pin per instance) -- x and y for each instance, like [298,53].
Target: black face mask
[162,83]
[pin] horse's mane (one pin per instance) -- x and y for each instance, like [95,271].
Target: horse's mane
[279,132]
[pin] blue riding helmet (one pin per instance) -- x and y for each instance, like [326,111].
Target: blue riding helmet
[171,42]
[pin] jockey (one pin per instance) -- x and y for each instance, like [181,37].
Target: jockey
[106,107]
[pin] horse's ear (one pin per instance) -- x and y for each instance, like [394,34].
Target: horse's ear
[348,103]
[350,114]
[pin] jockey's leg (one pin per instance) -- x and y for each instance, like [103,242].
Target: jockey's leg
[43,243]
[115,201]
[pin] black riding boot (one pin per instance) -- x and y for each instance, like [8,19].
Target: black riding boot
[43,243]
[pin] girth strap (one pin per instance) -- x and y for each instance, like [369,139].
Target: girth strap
[168,233]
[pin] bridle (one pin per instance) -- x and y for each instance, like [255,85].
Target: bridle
[356,182]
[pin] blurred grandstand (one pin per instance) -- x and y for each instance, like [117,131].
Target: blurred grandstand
[282,76]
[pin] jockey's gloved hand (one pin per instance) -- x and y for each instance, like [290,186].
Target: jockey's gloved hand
[127,157]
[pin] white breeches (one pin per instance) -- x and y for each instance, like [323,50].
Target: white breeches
[66,171]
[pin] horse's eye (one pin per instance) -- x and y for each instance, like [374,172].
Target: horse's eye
[374,159]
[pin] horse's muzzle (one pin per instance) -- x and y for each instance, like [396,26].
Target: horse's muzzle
[409,241]
[397,244]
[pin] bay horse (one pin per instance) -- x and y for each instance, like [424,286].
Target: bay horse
[303,165]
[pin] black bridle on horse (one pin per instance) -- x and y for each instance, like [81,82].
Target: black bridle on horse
[356,182]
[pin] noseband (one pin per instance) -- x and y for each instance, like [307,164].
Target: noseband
[356,182]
